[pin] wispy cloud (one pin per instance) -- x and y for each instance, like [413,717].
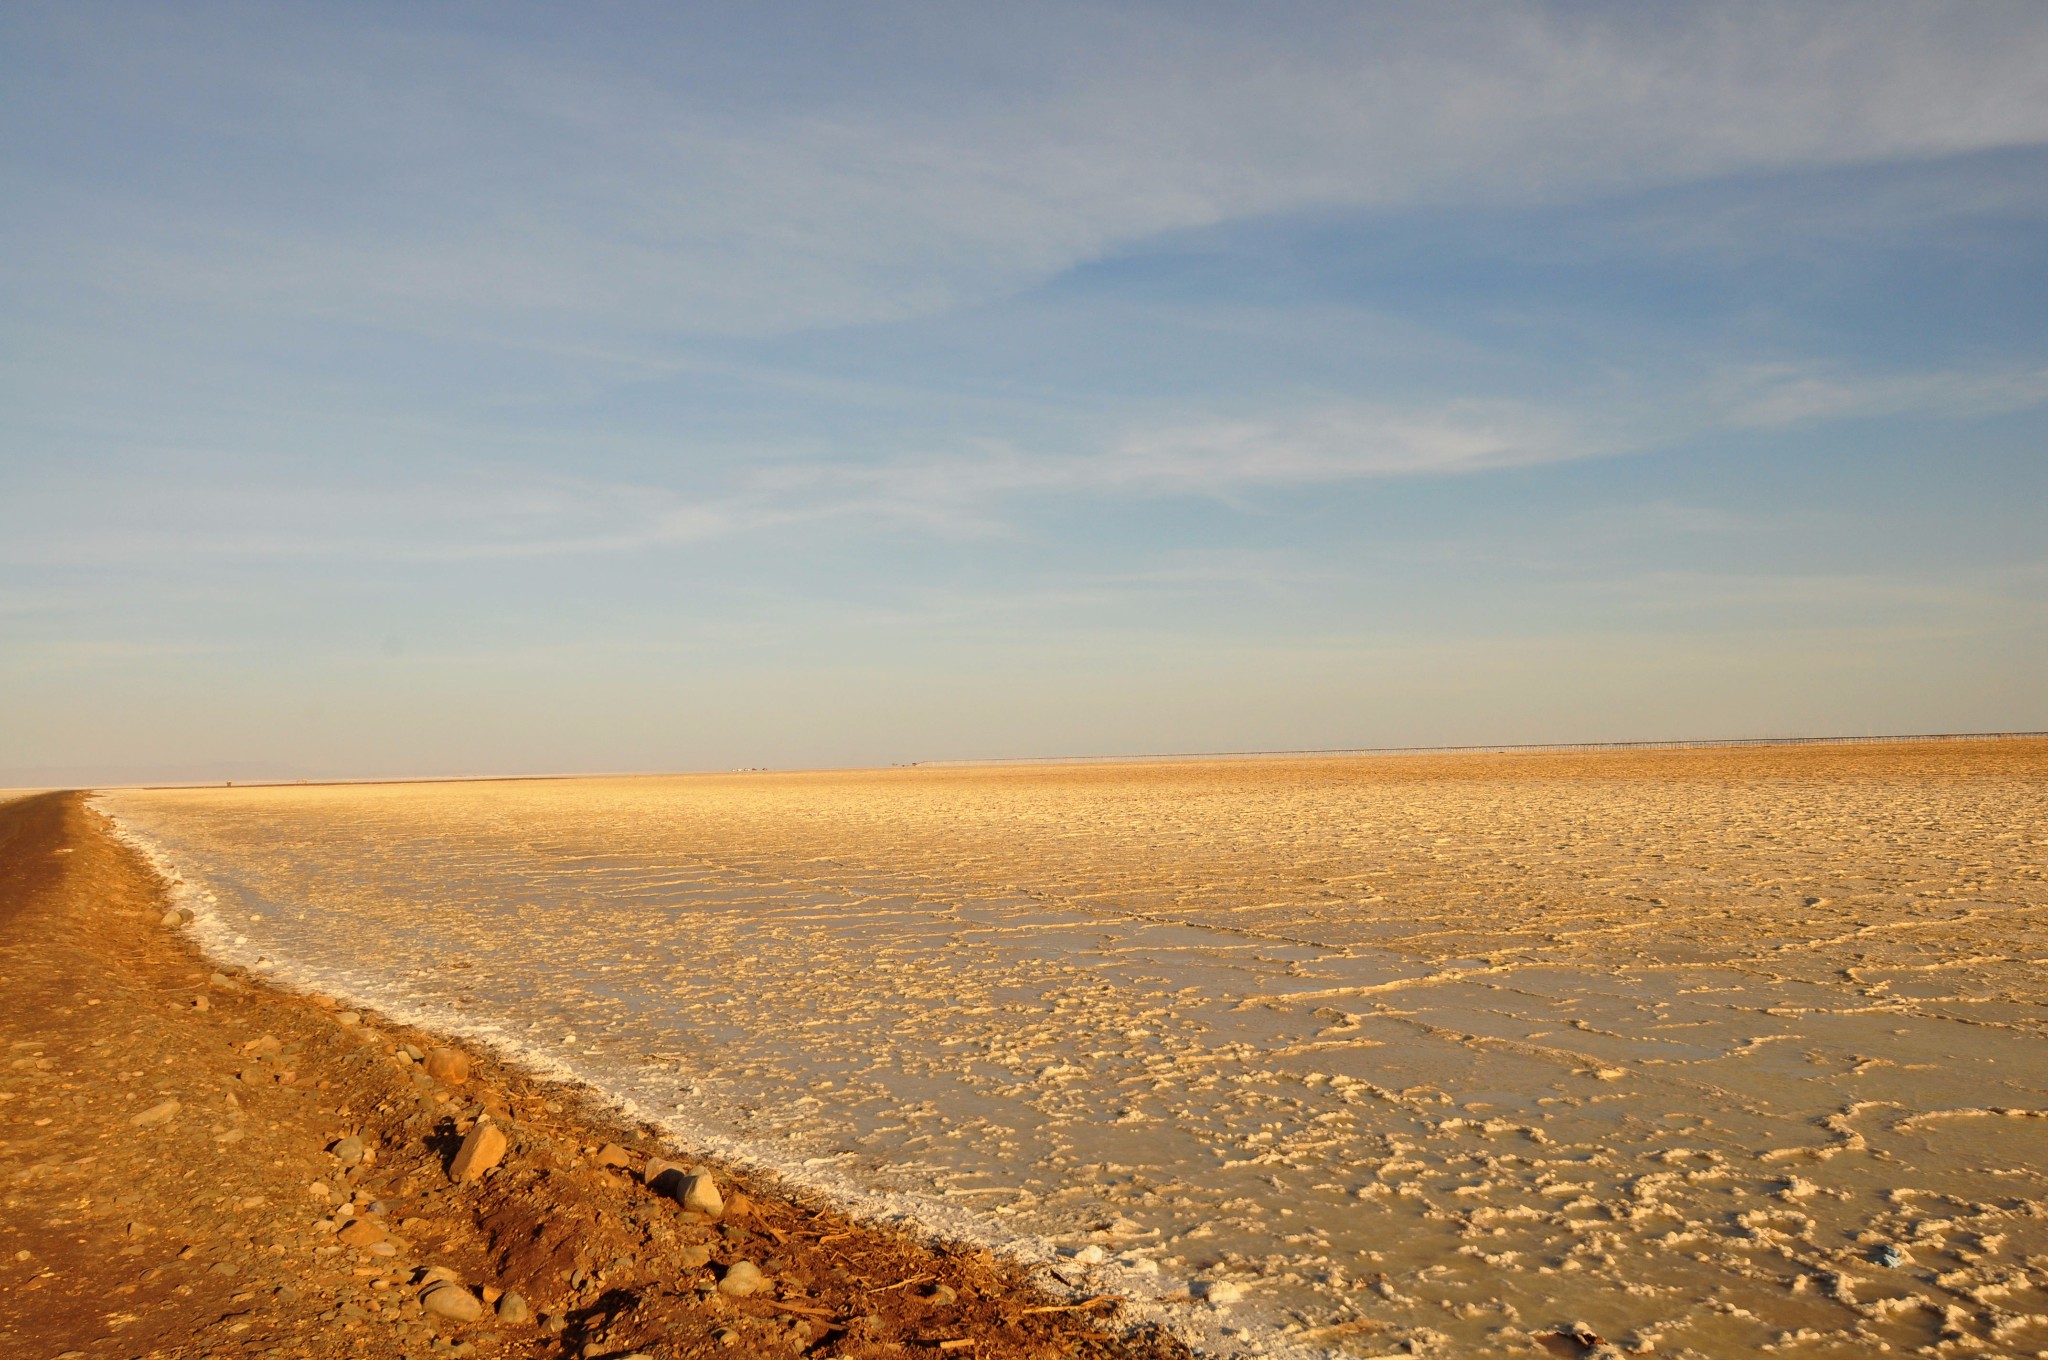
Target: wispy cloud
[1227,458]
[978,487]
[1222,458]
[646,180]
[1777,395]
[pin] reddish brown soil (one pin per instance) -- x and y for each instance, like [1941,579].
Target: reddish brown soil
[214,1232]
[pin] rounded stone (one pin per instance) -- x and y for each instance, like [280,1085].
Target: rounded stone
[452,1301]
[742,1278]
[448,1065]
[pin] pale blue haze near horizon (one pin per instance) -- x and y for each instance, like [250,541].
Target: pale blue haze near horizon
[407,390]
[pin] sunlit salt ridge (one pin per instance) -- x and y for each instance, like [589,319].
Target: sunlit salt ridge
[1699,1051]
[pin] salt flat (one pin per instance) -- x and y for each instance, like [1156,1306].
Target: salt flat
[1700,1050]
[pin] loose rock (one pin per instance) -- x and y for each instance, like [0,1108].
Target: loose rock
[159,1113]
[448,1065]
[742,1278]
[694,1256]
[699,1194]
[512,1308]
[448,1300]
[360,1232]
[663,1177]
[483,1149]
[348,1151]
[611,1154]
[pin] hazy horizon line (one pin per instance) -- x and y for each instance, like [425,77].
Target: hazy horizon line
[1112,758]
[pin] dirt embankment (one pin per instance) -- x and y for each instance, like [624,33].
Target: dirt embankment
[194,1164]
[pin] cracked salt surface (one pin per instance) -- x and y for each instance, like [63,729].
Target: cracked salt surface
[1704,1052]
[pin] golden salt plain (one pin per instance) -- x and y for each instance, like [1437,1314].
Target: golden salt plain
[1701,1052]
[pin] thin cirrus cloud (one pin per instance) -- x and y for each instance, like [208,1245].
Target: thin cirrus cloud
[1223,458]
[967,491]
[605,188]
[1779,395]
[977,489]
[1227,458]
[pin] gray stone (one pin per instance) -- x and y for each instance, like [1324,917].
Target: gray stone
[348,1151]
[512,1308]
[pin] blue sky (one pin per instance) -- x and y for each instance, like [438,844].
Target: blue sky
[402,390]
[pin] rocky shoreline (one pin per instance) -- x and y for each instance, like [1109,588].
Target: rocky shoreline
[192,1163]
